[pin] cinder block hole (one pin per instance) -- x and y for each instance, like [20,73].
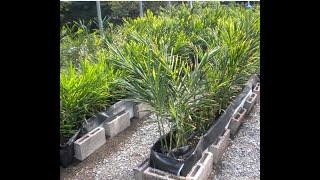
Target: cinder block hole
[250,99]
[237,116]
[121,113]
[203,158]
[257,88]
[95,131]
[172,176]
[84,138]
[195,171]
[241,110]
[218,141]
[157,172]
[143,164]
[152,170]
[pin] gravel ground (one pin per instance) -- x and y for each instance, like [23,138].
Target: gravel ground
[242,158]
[118,156]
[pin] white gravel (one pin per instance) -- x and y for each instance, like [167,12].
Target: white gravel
[242,158]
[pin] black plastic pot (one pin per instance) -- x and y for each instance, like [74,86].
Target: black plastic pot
[165,163]
[67,151]
[66,155]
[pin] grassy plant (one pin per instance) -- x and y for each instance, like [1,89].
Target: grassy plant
[85,91]
[176,90]
[88,82]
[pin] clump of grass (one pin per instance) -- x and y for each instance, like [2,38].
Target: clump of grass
[84,92]
[88,82]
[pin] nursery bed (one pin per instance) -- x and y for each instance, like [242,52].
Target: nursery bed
[188,74]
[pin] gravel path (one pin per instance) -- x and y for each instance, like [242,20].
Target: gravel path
[118,156]
[242,158]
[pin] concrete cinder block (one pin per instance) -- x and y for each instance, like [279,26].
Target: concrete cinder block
[218,149]
[89,143]
[120,106]
[249,103]
[196,173]
[117,124]
[141,110]
[236,121]
[138,171]
[257,91]
[203,167]
[200,171]
[155,174]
